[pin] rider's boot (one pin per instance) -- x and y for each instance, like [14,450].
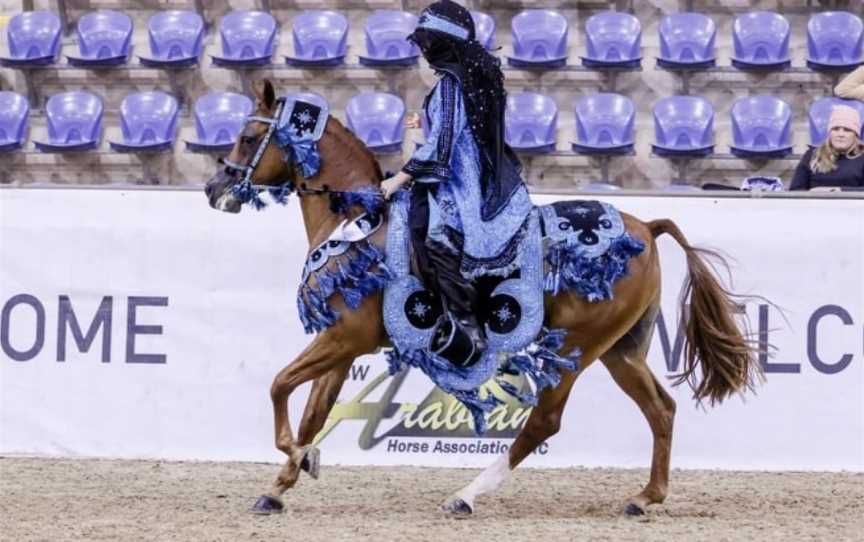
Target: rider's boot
[459,336]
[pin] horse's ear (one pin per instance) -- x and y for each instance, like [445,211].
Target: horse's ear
[265,95]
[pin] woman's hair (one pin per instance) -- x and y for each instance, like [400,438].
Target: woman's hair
[824,159]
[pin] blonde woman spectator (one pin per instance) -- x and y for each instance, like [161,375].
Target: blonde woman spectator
[839,160]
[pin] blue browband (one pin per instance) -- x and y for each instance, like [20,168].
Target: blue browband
[431,21]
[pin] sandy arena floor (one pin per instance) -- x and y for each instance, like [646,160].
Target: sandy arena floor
[58,500]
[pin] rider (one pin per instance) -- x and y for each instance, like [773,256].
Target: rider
[469,206]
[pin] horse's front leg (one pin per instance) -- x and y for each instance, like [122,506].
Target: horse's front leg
[325,359]
[324,354]
[325,391]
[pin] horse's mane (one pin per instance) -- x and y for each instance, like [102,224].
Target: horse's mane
[354,148]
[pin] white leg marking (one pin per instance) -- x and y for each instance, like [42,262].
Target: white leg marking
[487,481]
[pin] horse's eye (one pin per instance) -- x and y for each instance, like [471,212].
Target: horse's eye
[247,140]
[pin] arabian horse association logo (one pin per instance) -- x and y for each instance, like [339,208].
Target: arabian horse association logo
[437,415]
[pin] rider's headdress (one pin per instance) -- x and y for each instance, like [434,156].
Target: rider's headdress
[448,18]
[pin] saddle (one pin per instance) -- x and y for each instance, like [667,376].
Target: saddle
[574,245]
[578,246]
[509,308]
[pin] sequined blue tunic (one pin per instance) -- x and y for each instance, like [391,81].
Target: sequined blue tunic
[450,159]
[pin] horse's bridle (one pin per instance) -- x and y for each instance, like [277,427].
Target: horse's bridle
[249,169]
[247,192]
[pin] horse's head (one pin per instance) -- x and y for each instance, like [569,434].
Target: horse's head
[255,157]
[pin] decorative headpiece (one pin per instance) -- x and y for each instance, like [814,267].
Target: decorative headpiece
[449,18]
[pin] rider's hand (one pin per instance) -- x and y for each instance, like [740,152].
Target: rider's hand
[412,121]
[391,185]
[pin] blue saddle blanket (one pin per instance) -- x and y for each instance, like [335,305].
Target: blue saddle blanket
[574,245]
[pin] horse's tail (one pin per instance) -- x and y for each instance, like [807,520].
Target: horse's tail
[713,340]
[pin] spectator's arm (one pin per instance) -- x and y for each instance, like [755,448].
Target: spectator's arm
[851,86]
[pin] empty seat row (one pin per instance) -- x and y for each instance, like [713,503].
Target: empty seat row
[605,122]
[247,38]
[613,39]
[687,40]
[148,122]
[683,125]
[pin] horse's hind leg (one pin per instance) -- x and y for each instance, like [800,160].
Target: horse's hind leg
[543,422]
[627,364]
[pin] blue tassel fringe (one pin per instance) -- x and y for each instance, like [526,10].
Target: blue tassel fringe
[441,371]
[591,278]
[539,362]
[368,197]
[353,278]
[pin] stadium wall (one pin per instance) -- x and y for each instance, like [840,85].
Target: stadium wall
[142,324]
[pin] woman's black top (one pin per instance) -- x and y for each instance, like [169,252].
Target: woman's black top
[849,173]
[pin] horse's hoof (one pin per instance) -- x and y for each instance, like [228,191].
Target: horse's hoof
[634,510]
[266,505]
[457,508]
[311,462]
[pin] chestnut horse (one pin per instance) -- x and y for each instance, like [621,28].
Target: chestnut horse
[719,361]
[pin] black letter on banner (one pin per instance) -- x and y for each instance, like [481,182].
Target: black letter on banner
[66,318]
[25,355]
[133,329]
[671,353]
[820,366]
[788,368]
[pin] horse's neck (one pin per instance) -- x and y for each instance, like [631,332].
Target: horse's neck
[342,169]
[319,220]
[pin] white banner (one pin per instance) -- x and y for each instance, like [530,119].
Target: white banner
[144,324]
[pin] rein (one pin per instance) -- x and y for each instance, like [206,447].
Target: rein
[370,197]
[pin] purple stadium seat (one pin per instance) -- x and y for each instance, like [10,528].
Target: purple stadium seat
[104,39]
[386,45]
[834,40]
[247,39]
[687,41]
[820,112]
[176,39]
[34,39]
[74,122]
[761,127]
[761,41]
[683,126]
[530,122]
[14,113]
[484,28]
[614,39]
[604,124]
[539,39]
[378,119]
[320,39]
[219,117]
[148,121]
